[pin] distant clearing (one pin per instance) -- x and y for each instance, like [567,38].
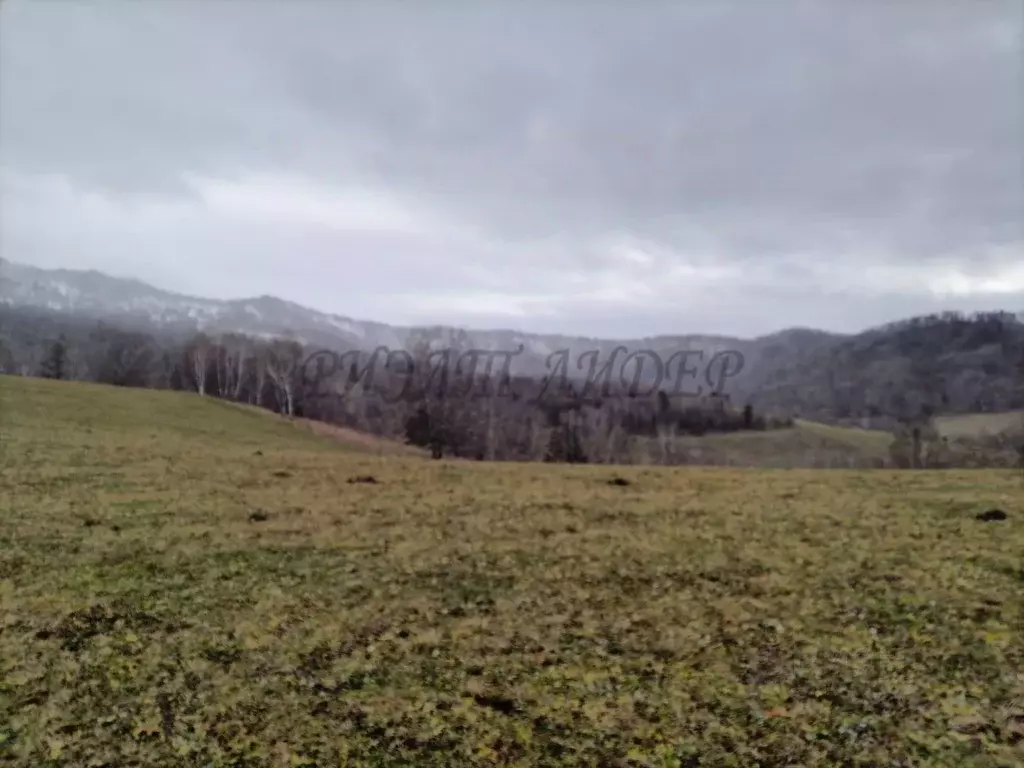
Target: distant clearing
[184,582]
[981,424]
[806,444]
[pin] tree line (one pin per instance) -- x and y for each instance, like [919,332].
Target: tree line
[431,401]
[457,410]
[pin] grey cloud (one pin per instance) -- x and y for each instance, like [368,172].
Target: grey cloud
[817,114]
[773,134]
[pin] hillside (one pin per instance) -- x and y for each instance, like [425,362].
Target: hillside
[946,364]
[806,444]
[187,581]
[950,364]
[104,417]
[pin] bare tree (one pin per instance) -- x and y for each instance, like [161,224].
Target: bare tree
[282,363]
[241,367]
[259,364]
[666,440]
[167,371]
[489,431]
[198,356]
[223,368]
[127,359]
[231,361]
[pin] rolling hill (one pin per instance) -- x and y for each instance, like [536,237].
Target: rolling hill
[186,581]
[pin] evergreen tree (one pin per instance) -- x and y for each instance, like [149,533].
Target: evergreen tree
[55,364]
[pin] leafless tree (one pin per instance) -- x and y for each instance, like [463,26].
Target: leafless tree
[232,365]
[283,359]
[259,369]
[666,440]
[127,359]
[198,355]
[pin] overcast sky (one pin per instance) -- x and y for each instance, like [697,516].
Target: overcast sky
[613,169]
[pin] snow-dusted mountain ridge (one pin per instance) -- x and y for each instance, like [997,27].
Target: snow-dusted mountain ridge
[94,293]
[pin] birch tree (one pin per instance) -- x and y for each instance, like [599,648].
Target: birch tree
[282,363]
[198,356]
[232,351]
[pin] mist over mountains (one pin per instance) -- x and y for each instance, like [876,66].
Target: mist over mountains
[950,362]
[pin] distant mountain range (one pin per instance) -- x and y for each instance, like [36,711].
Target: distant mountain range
[132,302]
[803,371]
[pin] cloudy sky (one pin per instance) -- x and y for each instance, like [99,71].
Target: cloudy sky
[613,169]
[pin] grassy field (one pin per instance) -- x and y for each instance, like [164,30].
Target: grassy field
[806,444]
[183,582]
[981,424]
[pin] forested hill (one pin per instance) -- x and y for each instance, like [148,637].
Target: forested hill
[949,363]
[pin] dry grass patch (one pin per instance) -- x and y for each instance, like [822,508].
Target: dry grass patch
[166,599]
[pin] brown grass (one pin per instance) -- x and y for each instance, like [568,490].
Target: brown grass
[183,583]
